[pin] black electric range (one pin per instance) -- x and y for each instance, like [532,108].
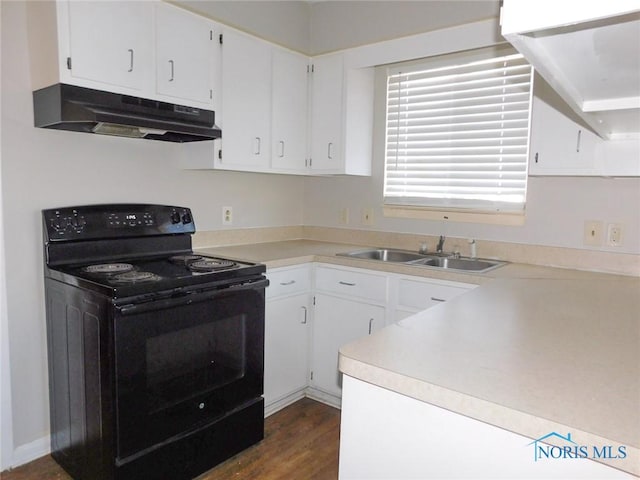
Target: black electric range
[156,353]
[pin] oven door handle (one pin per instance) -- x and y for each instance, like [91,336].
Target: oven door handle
[187,298]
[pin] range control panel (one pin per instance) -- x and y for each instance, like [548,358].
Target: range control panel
[91,222]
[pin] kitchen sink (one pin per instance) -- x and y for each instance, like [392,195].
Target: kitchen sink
[461,263]
[386,255]
[439,261]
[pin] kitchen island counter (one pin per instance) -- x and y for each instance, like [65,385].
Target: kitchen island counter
[531,356]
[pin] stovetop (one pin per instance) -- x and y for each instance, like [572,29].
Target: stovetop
[134,276]
[123,250]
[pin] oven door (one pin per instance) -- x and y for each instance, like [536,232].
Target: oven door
[181,363]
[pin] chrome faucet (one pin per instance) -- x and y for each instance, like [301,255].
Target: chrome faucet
[440,244]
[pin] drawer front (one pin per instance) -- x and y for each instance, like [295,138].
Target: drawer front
[352,284]
[421,295]
[287,281]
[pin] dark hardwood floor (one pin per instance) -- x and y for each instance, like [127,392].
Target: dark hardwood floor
[301,441]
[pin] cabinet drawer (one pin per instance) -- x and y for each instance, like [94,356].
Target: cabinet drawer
[286,281]
[352,284]
[422,295]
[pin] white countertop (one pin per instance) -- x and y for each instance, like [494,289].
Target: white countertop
[533,349]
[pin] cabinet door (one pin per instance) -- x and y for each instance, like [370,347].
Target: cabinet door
[336,322]
[186,48]
[286,346]
[246,105]
[289,111]
[112,43]
[559,146]
[327,113]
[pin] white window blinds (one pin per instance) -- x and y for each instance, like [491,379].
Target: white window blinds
[458,134]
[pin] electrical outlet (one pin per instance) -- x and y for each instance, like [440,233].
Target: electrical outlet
[614,234]
[593,233]
[227,215]
[367,216]
[344,216]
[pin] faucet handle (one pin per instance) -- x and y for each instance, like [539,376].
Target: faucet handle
[472,247]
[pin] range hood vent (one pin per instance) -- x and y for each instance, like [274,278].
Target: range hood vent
[67,107]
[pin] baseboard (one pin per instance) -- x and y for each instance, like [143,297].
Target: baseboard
[323,397]
[31,451]
[283,402]
[309,392]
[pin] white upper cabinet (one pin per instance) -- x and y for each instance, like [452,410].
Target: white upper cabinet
[96,53]
[559,146]
[289,111]
[589,52]
[326,113]
[187,52]
[246,102]
[341,117]
[148,49]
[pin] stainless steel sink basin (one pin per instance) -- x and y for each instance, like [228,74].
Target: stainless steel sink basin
[385,255]
[407,257]
[452,263]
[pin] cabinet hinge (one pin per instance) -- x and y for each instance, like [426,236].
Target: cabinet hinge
[210,94]
[220,39]
[68,63]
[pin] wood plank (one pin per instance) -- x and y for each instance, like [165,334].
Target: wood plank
[301,441]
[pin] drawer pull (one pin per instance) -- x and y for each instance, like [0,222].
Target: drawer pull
[438,299]
[304,318]
[370,325]
[290,282]
[347,284]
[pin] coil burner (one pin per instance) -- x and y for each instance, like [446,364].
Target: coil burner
[108,268]
[211,264]
[135,276]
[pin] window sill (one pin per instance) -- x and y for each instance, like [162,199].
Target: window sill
[423,213]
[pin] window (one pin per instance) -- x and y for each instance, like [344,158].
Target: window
[457,132]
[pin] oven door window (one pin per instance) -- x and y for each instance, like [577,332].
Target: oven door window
[182,366]
[186,363]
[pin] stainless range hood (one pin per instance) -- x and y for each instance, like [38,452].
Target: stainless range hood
[67,107]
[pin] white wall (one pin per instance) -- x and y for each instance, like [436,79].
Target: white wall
[44,169]
[283,22]
[346,24]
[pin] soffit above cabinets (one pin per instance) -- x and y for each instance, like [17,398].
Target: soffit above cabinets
[589,55]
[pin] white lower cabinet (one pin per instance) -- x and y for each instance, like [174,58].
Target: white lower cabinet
[287,335]
[349,303]
[313,310]
[338,321]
